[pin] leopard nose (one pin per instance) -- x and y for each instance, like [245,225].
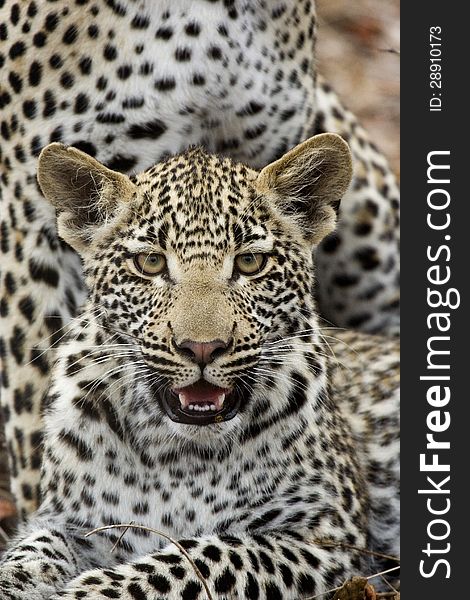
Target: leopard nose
[203,353]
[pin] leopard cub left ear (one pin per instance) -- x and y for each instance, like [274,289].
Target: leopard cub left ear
[308,182]
[86,195]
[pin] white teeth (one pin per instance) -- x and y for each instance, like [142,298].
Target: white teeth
[214,407]
[203,407]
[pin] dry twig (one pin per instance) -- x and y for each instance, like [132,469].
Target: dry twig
[161,534]
[341,586]
[331,543]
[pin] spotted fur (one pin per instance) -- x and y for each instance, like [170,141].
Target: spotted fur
[278,501]
[130,83]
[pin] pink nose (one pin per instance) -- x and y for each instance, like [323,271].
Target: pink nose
[203,353]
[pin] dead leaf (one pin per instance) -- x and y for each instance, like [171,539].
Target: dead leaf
[357,588]
[7,509]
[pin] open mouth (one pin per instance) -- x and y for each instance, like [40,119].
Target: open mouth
[201,403]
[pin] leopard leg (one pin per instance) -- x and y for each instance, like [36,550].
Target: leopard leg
[40,290]
[47,554]
[358,265]
[268,566]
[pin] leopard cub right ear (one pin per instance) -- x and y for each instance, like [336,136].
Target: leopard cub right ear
[307,183]
[85,193]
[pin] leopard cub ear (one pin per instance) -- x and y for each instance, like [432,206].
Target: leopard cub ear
[86,195]
[308,182]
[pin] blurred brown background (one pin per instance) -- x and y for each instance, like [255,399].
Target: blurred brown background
[358,53]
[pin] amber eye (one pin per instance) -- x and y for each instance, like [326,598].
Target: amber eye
[250,264]
[150,264]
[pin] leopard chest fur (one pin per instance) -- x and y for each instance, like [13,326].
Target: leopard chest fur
[102,481]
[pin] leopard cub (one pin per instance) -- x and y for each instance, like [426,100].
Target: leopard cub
[195,393]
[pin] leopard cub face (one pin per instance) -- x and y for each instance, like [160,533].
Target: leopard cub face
[200,263]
